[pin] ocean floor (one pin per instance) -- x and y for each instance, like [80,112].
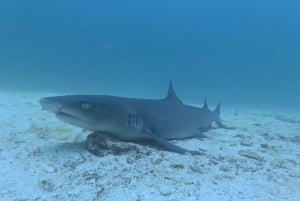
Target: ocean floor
[42,158]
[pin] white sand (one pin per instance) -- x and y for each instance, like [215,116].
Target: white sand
[42,158]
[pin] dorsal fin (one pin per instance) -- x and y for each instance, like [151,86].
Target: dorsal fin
[205,106]
[171,94]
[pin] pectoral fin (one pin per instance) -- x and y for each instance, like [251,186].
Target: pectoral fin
[169,146]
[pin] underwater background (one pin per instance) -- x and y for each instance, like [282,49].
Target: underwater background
[244,53]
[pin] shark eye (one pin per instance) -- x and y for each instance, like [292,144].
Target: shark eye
[86,106]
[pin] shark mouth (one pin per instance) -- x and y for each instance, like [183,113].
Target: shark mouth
[71,119]
[65,115]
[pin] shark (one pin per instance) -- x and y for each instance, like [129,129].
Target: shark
[136,119]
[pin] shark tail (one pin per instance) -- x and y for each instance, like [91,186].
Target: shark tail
[216,113]
[217,116]
[218,119]
[218,110]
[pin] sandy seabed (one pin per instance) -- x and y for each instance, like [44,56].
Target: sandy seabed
[42,158]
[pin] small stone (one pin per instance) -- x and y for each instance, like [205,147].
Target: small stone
[129,160]
[265,146]
[165,190]
[246,142]
[195,168]
[49,169]
[250,154]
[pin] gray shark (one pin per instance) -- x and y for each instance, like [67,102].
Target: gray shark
[132,119]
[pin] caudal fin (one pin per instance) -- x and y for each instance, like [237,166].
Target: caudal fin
[218,110]
[218,119]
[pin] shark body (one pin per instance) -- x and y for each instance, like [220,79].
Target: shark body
[132,119]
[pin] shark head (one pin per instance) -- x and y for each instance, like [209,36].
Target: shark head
[101,113]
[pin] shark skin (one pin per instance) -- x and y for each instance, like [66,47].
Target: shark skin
[132,119]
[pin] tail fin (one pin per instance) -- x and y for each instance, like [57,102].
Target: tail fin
[218,119]
[218,110]
[217,116]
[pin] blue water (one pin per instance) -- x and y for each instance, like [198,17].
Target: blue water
[245,53]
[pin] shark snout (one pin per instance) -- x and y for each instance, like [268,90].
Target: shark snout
[50,104]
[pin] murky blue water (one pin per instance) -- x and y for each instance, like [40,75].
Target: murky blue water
[245,53]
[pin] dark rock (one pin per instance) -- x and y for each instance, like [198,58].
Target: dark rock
[96,144]
[101,145]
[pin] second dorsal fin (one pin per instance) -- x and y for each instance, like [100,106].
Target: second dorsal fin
[171,94]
